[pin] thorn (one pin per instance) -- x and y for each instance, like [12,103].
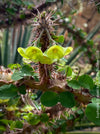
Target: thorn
[56,20]
[35,15]
[54,24]
[35,24]
[50,14]
[38,13]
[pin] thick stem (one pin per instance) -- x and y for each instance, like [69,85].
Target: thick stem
[44,69]
[44,40]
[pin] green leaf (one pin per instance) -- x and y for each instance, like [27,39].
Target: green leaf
[59,39]
[94,90]
[16,76]
[4,121]
[60,122]
[22,16]
[95,100]
[8,91]
[90,42]
[27,70]
[71,117]
[44,117]
[16,124]
[11,10]
[93,113]
[49,98]
[68,71]
[80,112]
[14,66]
[2,128]
[13,101]
[67,99]
[86,81]
[33,119]
[19,124]
[74,84]
[22,89]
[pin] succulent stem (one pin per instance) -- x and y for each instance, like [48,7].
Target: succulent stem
[44,69]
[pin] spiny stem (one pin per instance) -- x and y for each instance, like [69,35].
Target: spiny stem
[49,36]
[38,40]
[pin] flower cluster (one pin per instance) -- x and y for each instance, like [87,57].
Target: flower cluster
[51,55]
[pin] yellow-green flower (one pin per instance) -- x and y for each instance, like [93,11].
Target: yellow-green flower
[27,108]
[55,52]
[12,108]
[33,53]
[30,60]
[45,60]
[3,101]
[67,50]
[22,52]
[30,54]
[26,60]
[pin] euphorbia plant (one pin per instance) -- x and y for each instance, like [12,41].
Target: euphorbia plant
[48,52]
[44,54]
